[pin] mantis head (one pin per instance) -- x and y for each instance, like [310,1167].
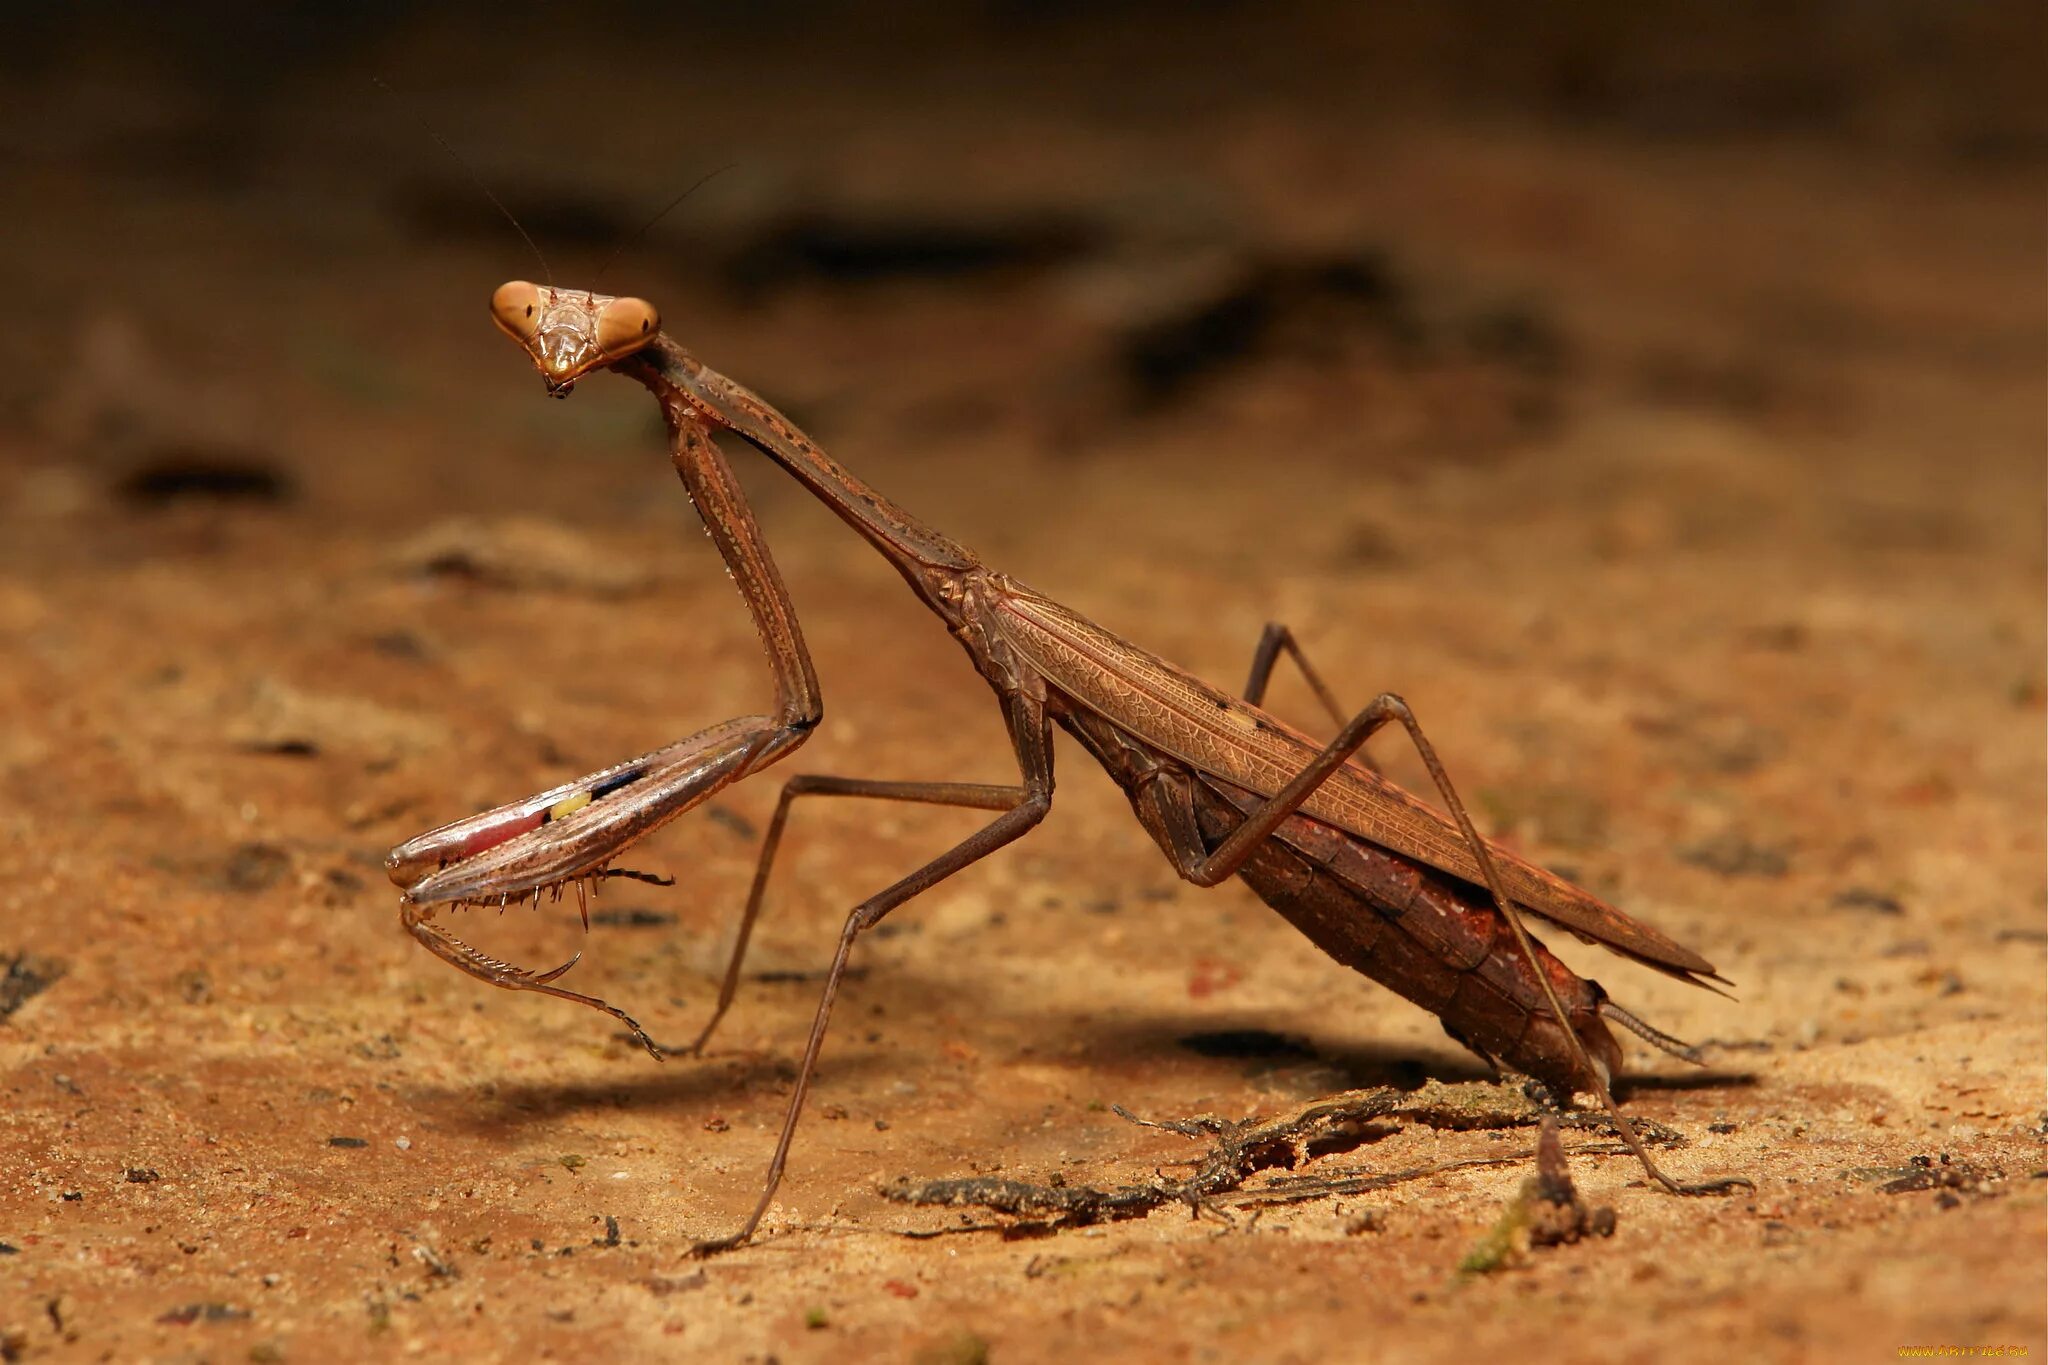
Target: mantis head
[569,332]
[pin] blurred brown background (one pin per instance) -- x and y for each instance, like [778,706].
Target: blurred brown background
[1652,395]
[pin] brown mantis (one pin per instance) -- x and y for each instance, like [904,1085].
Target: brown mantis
[1380,880]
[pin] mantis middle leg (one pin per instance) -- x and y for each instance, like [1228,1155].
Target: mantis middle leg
[1031,736]
[969,795]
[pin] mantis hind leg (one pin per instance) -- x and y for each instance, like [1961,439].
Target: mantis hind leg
[1277,639]
[1231,854]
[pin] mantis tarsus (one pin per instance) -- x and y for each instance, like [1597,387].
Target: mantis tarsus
[1382,881]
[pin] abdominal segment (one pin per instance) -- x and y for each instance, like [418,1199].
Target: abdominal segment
[1434,939]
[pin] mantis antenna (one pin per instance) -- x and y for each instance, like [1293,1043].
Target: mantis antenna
[648,226]
[478,181]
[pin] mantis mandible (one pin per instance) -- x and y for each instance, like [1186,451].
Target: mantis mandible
[1382,881]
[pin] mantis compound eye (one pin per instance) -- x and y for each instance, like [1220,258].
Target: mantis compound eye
[515,307]
[624,326]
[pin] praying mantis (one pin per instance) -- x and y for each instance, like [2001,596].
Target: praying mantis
[1385,883]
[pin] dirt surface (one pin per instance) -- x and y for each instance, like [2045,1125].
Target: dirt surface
[1659,409]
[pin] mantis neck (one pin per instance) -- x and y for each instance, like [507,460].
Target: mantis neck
[926,558]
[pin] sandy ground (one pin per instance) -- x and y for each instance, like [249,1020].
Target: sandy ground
[1684,472]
